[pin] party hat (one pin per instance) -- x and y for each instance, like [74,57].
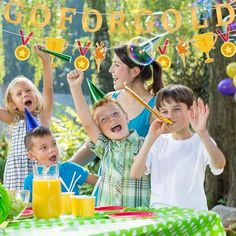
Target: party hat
[30,121]
[95,93]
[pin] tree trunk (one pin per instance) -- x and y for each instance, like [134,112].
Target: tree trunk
[222,128]
[103,77]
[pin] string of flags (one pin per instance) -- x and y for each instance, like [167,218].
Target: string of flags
[204,42]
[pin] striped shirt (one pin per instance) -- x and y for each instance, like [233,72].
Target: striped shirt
[116,186]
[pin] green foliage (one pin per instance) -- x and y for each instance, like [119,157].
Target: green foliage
[68,130]
[2,65]
[3,155]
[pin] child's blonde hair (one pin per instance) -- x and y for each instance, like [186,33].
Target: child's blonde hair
[8,99]
[105,101]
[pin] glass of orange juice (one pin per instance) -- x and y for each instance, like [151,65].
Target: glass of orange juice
[46,194]
[83,205]
[66,202]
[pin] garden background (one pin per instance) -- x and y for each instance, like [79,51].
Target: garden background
[201,77]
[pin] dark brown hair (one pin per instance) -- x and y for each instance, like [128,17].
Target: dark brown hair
[39,131]
[147,72]
[178,93]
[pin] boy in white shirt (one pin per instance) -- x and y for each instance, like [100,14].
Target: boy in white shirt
[177,160]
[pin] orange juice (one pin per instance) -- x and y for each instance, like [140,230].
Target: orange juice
[46,198]
[66,202]
[83,205]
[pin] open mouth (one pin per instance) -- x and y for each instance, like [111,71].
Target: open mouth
[28,103]
[53,158]
[116,128]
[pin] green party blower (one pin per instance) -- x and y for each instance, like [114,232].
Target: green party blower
[62,56]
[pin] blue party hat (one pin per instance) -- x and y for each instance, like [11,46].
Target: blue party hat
[30,121]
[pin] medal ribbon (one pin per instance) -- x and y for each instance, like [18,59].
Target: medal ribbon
[162,50]
[23,40]
[84,50]
[224,37]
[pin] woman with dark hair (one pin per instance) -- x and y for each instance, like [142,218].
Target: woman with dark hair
[124,69]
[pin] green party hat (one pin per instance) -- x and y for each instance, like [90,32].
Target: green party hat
[95,93]
[62,56]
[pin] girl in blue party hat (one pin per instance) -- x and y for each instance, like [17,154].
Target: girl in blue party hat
[21,93]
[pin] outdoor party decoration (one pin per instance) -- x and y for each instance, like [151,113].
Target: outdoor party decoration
[5,203]
[228,49]
[232,27]
[58,45]
[140,49]
[95,93]
[13,13]
[100,53]
[22,52]
[30,121]
[62,56]
[163,59]
[82,62]
[182,48]
[231,69]
[205,42]
[226,87]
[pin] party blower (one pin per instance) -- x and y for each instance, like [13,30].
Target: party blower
[140,100]
[62,56]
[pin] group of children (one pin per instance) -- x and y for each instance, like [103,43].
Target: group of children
[166,168]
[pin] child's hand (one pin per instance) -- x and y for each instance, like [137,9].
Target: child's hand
[198,115]
[156,129]
[42,55]
[75,78]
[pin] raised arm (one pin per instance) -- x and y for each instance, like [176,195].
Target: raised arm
[198,115]
[75,79]
[139,165]
[46,112]
[5,116]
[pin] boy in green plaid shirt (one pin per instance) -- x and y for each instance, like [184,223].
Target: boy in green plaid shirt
[114,144]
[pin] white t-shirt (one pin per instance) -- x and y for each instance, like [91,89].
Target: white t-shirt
[177,169]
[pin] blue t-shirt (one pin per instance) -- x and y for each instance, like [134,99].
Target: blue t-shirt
[66,172]
[141,122]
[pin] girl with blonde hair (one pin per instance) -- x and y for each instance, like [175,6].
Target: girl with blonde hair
[21,93]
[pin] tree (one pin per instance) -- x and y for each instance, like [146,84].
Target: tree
[222,127]
[104,78]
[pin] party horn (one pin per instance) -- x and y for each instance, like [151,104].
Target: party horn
[62,56]
[140,100]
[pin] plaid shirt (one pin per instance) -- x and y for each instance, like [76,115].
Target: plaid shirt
[18,165]
[116,186]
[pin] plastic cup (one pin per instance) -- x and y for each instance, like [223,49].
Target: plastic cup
[83,206]
[66,202]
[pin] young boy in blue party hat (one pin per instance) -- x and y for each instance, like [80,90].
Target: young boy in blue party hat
[42,147]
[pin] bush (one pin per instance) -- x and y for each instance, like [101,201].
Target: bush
[3,155]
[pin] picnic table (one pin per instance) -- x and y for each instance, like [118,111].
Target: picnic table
[166,221]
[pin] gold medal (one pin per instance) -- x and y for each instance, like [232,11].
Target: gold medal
[228,49]
[22,53]
[165,61]
[81,62]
